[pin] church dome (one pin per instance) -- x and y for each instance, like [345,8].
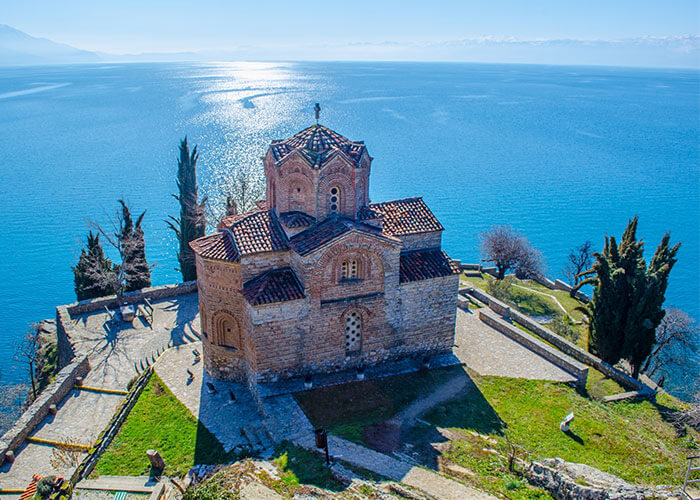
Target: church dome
[318,144]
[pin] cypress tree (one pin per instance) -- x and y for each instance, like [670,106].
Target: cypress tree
[627,302]
[93,274]
[191,224]
[137,273]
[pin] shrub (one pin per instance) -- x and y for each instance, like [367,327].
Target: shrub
[562,327]
[501,289]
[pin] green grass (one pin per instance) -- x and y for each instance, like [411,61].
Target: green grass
[368,402]
[159,421]
[300,466]
[629,439]
[598,385]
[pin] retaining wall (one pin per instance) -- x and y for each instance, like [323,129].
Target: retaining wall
[39,409]
[578,370]
[64,313]
[560,343]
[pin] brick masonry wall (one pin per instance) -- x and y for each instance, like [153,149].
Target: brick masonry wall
[256,264]
[421,240]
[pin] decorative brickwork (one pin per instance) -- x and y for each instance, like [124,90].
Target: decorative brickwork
[320,280]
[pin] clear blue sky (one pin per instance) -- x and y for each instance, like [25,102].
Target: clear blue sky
[170,26]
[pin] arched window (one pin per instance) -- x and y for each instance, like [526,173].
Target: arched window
[353,332]
[227,333]
[334,206]
[349,269]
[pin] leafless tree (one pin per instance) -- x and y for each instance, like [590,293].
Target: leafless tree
[580,259]
[12,402]
[508,250]
[240,193]
[25,352]
[675,343]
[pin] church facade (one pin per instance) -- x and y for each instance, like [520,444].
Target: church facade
[317,279]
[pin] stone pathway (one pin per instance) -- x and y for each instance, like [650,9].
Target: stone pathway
[233,422]
[115,355]
[489,352]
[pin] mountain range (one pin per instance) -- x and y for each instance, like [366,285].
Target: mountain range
[17,48]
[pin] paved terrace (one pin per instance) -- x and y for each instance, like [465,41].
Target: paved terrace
[115,351]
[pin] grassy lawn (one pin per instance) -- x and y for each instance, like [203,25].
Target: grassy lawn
[161,422]
[368,402]
[629,439]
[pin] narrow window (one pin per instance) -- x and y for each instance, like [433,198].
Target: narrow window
[335,199]
[344,269]
[353,332]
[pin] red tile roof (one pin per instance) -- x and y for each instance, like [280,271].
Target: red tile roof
[296,218]
[318,144]
[258,231]
[407,216]
[329,229]
[277,285]
[425,264]
[217,246]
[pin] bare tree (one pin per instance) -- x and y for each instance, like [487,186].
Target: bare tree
[675,343]
[25,353]
[241,192]
[508,250]
[580,259]
[12,402]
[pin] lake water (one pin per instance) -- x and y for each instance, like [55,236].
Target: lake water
[563,154]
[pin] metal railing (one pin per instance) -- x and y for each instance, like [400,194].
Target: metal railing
[688,481]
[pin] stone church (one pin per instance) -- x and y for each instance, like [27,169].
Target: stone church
[317,279]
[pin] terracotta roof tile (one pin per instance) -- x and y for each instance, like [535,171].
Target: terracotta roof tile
[318,144]
[258,231]
[425,264]
[217,246]
[407,216]
[296,218]
[327,230]
[277,285]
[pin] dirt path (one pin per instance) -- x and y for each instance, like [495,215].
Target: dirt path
[556,301]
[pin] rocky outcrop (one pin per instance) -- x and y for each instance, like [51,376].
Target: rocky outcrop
[566,480]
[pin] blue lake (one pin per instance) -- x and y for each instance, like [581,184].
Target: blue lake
[563,154]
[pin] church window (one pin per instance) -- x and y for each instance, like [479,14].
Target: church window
[335,199]
[349,269]
[353,332]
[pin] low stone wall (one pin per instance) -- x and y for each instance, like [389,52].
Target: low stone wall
[39,409]
[111,301]
[64,313]
[561,285]
[578,370]
[561,343]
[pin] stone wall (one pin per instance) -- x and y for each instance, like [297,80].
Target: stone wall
[64,313]
[549,353]
[420,241]
[39,409]
[559,342]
